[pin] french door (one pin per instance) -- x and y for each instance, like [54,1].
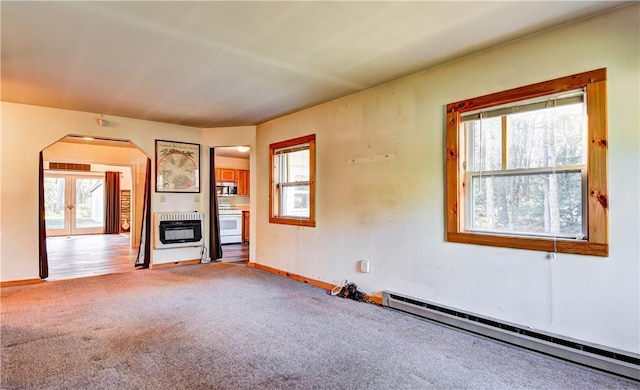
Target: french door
[74,204]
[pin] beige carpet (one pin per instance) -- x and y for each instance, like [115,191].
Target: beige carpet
[222,326]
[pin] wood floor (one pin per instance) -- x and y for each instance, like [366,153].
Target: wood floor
[101,254]
[89,255]
[232,253]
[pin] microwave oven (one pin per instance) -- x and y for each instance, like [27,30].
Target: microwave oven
[228,188]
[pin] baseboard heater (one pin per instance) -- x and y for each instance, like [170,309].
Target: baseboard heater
[618,362]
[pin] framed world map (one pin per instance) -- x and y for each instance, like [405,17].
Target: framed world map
[177,166]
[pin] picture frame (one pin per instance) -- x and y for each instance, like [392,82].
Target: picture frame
[177,167]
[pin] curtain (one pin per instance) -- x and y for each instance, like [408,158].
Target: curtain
[112,203]
[214,216]
[42,236]
[144,251]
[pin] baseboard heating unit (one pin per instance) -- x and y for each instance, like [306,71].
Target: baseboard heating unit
[618,362]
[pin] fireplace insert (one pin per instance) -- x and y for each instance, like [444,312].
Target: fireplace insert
[178,230]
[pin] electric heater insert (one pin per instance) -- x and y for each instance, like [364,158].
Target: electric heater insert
[173,232]
[178,229]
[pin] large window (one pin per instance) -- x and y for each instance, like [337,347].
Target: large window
[526,168]
[292,180]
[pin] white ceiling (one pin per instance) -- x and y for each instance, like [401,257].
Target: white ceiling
[231,151]
[212,64]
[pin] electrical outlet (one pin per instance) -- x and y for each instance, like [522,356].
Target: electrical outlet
[163,198]
[196,198]
[365,266]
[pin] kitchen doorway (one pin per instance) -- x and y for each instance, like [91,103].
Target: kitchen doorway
[232,175]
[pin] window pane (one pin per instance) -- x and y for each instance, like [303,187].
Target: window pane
[89,202]
[294,166]
[293,181]
[295,201]
[538,204]
[485,144]
[54,202]
[546,138]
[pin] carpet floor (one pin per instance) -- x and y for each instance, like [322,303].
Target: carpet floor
[226,326]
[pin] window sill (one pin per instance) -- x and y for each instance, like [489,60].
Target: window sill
[579,247]
[293,221]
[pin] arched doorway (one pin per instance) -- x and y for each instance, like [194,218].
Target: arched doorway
[74,171]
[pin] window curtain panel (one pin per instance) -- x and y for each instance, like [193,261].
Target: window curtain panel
[214,215]
[42,236]
[144,250]
[112,203]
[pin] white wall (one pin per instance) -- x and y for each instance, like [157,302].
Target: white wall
[26,130]
[392,211]
[125,174]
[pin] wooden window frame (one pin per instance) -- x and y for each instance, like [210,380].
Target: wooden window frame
[274,192]
[597,241]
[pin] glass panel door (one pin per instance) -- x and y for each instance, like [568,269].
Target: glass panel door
[88,210]
[74,204]
[55,205]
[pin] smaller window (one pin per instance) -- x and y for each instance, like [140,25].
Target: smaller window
[292,180]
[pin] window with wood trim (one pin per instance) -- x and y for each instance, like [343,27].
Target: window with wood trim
[292,179]
[527,168]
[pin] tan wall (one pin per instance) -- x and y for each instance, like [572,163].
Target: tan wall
[391,210]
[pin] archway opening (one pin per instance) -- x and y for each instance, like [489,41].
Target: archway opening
[84,237]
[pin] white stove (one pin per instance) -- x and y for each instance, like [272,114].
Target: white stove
[230,223]
[229,211]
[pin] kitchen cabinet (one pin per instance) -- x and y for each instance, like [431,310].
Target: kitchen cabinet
[242,178]
[225,174]
[245,226]
[238,176]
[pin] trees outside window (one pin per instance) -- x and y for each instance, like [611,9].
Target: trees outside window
[526,168]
